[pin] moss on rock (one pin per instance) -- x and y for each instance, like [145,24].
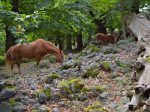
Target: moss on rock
[2,60]
[106,65]
[92,72]
[46,91]
[93,48]
[96,107]
[148,59]
[12,102]
[71,86]
[51,77]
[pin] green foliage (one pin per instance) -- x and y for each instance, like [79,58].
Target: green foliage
[54,75]
[2,60]
[106,65]
[71,86]
[148,59]
[66,66]
[96,107]
[92,72]
[47,92]
[93,48]
[12,102]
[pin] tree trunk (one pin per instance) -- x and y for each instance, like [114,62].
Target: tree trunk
[99,23]
[60,43]
[79,41]
[15,4]
[101,27]
[69,43]
[10,39]
[135,6]
[123,19]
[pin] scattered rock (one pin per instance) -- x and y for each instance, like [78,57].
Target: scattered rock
[7,93]
[55,110]
[5,107]
[42,97]
[108,50]
[19,107]
[43,108]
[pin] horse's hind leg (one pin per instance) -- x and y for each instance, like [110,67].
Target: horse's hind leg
[18,65]
[12,66]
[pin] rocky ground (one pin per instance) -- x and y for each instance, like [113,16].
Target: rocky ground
[95,80]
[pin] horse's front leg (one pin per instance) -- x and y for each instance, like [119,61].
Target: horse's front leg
[38,61]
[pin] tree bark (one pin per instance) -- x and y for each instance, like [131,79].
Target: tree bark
[99,23]
[15,4]
[123,19]
[69,43]
[135,6]
[79,41]
[10,39]
[60,43]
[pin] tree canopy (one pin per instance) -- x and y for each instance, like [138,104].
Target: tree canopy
[58,20]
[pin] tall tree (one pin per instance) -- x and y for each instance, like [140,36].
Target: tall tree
[123,18]
[135,6]
[10,39]
[79,41]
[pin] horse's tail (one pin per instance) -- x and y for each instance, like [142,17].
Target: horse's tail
[8,60]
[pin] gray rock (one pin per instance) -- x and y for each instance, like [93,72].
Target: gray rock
[5,107]
[19,107]
[7,93]
[43,108]
[108,50]
[104,95]
[2,84]
[42,98]
[83,97]
[112,105]
[26,100]
[55,97]
[55,110]
[36,106]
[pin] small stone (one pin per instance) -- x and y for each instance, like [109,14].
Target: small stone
[2,84]
[19,107]
[43,108]
[104,95]
[112,105]
[5,107]
[55,97]
[55,110]
[42,98]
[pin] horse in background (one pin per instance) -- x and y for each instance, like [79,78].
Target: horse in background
[34,50]
[105,39]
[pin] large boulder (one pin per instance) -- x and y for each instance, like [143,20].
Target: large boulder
[7,93]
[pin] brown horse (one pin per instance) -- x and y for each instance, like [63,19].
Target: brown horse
[37,49]
[105,39]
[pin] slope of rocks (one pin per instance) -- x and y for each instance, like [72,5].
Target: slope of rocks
[95,80]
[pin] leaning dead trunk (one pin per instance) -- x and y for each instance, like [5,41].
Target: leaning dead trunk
[140,27]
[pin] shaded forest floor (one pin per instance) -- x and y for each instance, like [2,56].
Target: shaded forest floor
[105,92]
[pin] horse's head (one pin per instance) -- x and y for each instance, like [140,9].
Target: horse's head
[60,57]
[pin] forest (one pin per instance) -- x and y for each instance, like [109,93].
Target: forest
[102,48]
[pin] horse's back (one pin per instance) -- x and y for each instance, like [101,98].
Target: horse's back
[105,38]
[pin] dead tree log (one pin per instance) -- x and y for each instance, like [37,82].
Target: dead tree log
[140,27]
